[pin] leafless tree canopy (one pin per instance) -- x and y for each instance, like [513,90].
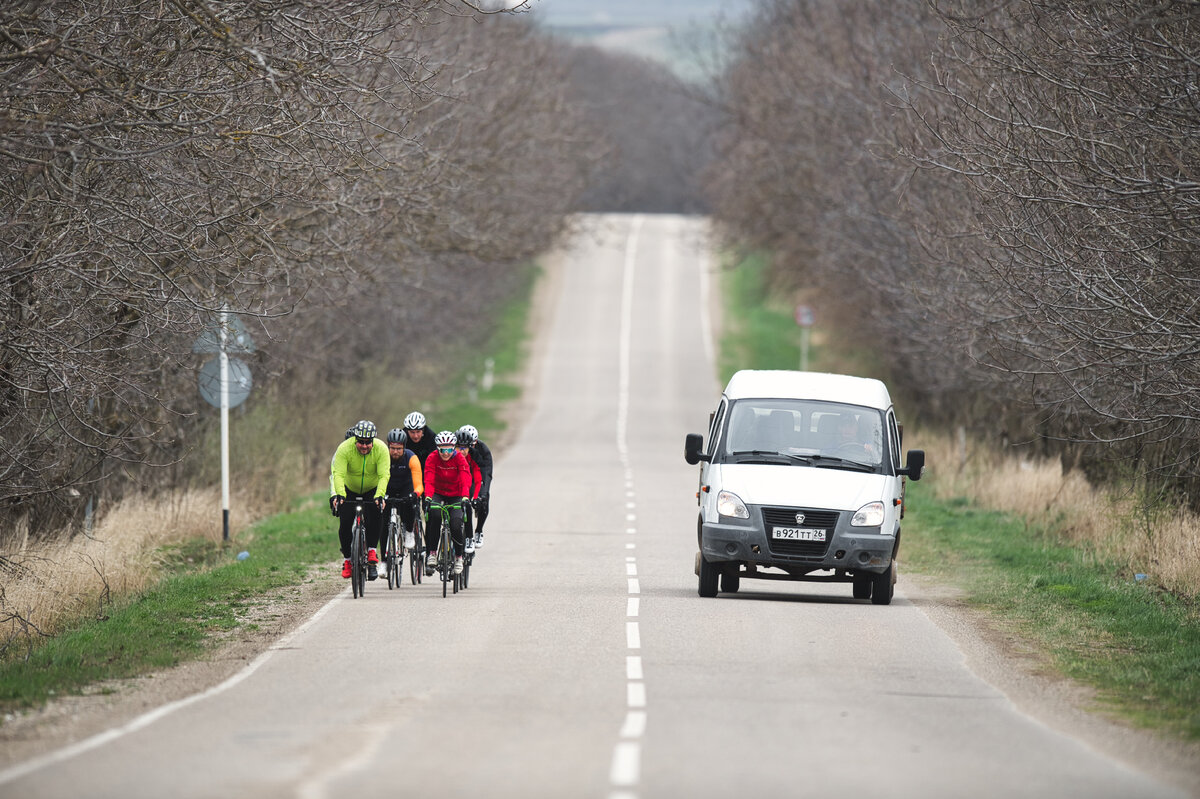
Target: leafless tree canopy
[1005,194]
[162,159]
[655,129]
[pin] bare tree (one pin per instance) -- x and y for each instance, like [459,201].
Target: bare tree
[161,160]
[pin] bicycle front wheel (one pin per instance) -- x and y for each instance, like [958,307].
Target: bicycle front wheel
[357,558]
[392,557]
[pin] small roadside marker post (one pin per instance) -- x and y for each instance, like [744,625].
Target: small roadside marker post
[804,318]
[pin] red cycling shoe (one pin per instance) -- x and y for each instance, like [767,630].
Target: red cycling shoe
[346,569]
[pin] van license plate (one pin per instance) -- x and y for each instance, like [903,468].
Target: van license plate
[798,533]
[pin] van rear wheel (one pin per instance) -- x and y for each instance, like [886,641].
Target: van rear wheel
[884,585]
[708,578]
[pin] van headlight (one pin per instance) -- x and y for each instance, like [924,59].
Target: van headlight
[729,504]
[869,515]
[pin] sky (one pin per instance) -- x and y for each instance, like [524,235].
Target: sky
[635,13]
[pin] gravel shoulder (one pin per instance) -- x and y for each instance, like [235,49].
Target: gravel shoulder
[1026,677]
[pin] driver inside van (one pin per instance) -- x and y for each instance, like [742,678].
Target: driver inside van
[853,436]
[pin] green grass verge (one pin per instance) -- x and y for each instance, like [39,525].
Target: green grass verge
[1138,647]
[206,592]
[182,615]
[758,333]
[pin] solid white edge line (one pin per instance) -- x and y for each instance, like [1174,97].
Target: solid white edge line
[706,334]
[146,719]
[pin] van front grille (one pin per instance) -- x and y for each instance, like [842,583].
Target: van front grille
[799,550]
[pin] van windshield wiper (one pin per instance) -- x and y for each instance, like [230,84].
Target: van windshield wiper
[831,462]
[769,456]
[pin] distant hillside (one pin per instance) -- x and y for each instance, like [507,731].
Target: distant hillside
[632,13]
[663,30]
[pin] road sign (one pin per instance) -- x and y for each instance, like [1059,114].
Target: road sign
[804,316]
[237,338]
[240,382]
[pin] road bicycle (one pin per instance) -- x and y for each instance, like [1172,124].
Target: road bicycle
[358,553]
[445,550]
[393,551]
[469,540]
[416,553]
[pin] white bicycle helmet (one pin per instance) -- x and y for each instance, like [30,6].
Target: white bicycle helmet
[414,421]
[445,439]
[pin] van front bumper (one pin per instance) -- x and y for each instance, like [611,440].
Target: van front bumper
[864,549]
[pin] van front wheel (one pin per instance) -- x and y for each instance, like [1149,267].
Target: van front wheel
[884,585]
[708,578]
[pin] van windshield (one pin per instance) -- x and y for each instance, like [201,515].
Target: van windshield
[805,432]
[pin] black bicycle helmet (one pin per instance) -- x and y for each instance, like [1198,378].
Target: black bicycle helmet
[396,436]
[462,438]
[471,434]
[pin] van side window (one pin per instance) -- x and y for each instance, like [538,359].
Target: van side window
[714,430]
[894,440]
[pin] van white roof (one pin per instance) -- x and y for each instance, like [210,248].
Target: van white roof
[767,383]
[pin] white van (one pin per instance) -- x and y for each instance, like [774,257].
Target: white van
[801,480]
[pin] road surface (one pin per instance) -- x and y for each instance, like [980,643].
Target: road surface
[581,662]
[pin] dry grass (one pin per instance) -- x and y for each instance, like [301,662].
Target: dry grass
[1163,543]
[50,583]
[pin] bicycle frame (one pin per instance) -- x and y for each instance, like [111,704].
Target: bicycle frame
[358,553]
[445,552]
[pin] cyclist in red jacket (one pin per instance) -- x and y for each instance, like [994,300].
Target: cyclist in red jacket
[447,479]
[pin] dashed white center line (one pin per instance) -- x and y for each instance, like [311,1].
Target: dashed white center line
[635,724]
[636,694]
[627,754]
[626,764]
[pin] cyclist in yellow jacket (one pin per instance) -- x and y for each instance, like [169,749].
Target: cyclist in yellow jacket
[359,475]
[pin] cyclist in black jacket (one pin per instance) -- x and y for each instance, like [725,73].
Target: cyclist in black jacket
[420,436]
[483,458]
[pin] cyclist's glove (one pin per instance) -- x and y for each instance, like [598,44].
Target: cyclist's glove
[381,503]
[334,503]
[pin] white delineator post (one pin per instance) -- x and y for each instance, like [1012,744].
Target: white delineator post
[224,356]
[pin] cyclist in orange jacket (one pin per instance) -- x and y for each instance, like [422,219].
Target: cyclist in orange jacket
[406,485]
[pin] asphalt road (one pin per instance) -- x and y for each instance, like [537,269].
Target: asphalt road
[581,662]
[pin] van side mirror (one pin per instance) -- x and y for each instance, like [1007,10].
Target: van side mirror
[692,447]
[916,462]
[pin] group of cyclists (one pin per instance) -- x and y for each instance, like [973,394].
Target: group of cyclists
[415,471]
